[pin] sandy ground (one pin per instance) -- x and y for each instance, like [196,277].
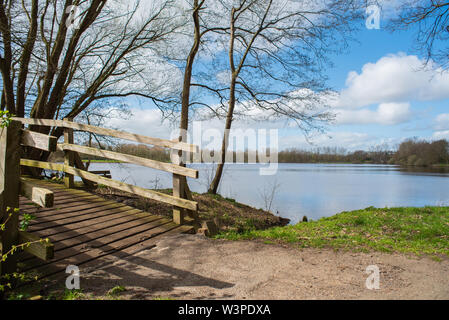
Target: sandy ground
[194,267]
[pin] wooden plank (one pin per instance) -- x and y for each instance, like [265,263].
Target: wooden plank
[168,167]
[150,194]
[73,211]
[178,213]
[101,223]
[42,165]
[50,223]
[82,235]
[178,189]
[84,203]
[40,196]
[68,206]
[110,242]
[64,202]
[9,191]
[112,133]
[69,159]
[106,233]
[38,140]
[44,250]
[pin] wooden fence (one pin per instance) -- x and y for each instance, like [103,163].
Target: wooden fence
[14,137]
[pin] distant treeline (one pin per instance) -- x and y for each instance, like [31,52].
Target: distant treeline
[422,153]
[335,155]
[412,152]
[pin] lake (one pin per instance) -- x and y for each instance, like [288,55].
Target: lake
[312,190]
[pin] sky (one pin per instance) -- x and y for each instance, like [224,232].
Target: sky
[385,97]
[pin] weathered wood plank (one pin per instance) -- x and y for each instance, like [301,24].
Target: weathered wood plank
[69,158]
[63,205]
[168,167]
[178,189]
[60,233]
[109,245]
[62,200]
[9,191]
[150,194]
[112,133]
[68,220]
[42,165]
[38,140]
[43,250]
[125,228]
[81,209]
[40,196]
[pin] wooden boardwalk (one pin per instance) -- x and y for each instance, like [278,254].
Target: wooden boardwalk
[86,228]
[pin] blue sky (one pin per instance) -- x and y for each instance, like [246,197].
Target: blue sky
[421,119]
[389,98]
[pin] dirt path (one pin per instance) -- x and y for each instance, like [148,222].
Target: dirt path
[194,267]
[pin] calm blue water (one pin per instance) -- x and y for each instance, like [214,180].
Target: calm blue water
[314,190]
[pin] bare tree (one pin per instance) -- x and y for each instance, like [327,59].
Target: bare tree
[57,69]
[277,51]
[268,194]
[430,19]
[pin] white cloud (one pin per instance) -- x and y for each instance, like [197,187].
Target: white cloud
[146,122]
[386,114]
[442,122]
[441,135]
[394,78]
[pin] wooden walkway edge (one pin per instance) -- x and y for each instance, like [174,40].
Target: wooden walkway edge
[85,228]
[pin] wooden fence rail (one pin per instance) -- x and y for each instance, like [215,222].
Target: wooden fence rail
[168,167]
[111,133]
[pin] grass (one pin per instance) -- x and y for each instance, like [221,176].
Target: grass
[408,230]
[72,295]
[117,290]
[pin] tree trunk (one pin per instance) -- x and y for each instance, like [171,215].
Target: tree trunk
[185,103]
[213,188]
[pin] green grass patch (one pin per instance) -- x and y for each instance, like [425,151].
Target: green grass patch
[408,230]
[73,295]
[116,291]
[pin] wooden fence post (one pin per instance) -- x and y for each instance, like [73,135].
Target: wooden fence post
[9,191]
[68,156]
[178,188]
